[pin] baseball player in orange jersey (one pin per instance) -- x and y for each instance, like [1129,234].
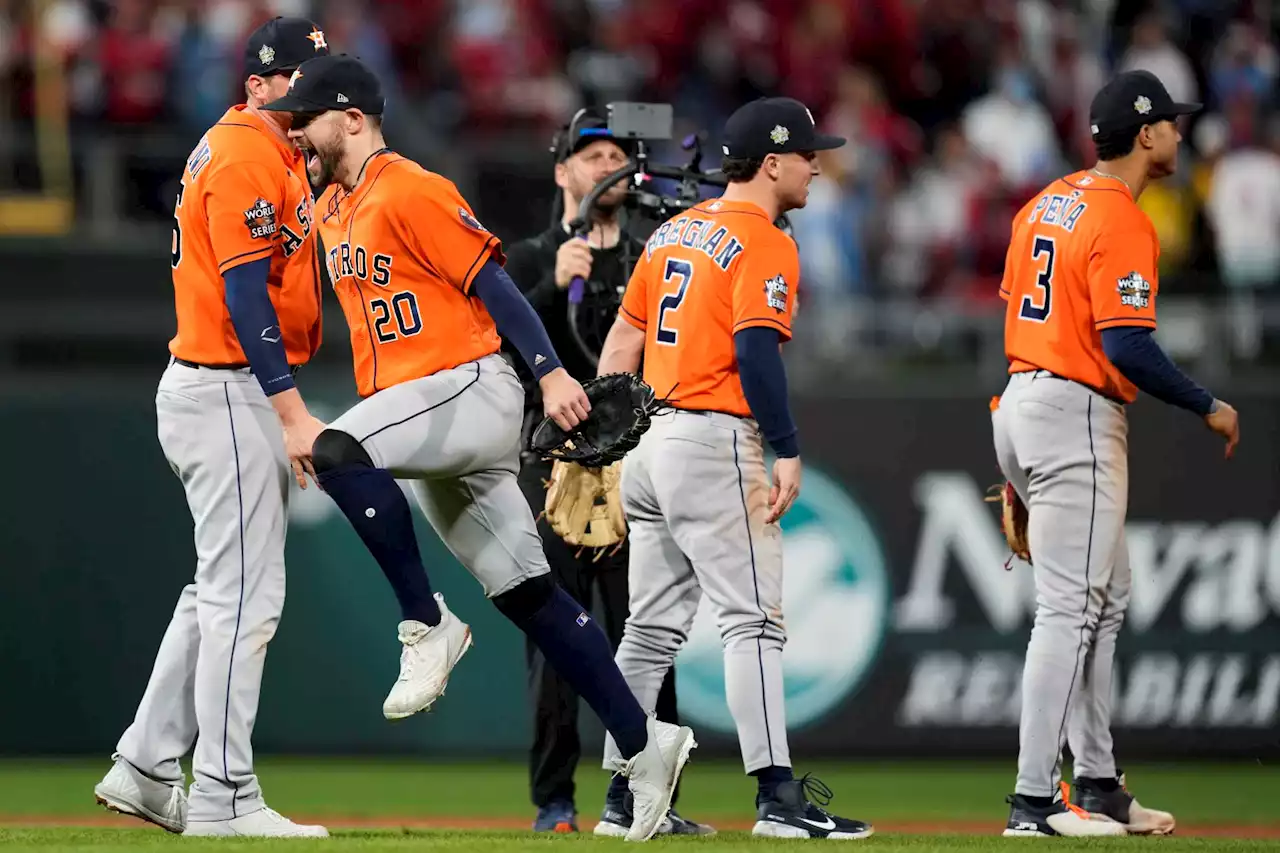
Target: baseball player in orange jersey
[1080,280]
[246,281]
[708,307]
[424,293]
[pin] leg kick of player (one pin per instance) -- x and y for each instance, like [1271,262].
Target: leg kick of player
[1080,281]
[707,307]
[424,293]
[243,218]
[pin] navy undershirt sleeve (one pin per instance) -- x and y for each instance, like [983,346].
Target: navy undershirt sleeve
[515,318]
[1136,354]
[764,382]
[256,325]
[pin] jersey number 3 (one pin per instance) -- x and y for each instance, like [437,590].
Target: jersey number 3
[682,270]
[1045,247]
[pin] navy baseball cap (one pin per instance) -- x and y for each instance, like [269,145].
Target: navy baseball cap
[281,45]
[585,127]
[1130,100]
[336,82]
[774,126]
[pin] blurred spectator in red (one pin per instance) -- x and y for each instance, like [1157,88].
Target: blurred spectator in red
[134,55]
[1072,76]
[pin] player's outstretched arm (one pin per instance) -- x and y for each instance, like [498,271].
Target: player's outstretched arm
[258,330]
[623,349]
[562,396]
[764,383]
[1138,356]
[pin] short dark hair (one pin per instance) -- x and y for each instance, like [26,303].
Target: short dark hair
[741,169]
[375,120]
[1116,144]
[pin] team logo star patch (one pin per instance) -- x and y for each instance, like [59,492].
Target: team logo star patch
[266,54]
[775,293]
[297,75]
[779,135]
[317,39]
[1134,290]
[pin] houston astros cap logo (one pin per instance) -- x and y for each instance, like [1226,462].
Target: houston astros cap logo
[267,54]
[317,38]
[1142,104]
[297,73]
[779,134]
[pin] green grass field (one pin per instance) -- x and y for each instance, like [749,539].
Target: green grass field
[375,806]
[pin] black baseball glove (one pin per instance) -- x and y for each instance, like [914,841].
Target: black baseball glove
[621,408]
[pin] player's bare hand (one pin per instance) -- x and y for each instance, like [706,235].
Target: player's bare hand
[572,258]
[1226,423]
[786,487]
[563,399]
[299,437]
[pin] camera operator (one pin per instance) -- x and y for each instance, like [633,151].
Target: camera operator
[543,267]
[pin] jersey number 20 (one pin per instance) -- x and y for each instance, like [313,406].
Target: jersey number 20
[1043,246]
[682,270]
[404,308]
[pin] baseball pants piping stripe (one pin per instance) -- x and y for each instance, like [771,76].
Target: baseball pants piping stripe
[755,583]
[460,392]
[1084,627]
[231,658]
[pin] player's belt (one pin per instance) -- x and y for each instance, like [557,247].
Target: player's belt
[1040,371]
[293,368]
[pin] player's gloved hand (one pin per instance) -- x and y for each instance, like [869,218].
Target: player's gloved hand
[563,399]
[786,487]
[299,436]
[572,258]
[1225,422]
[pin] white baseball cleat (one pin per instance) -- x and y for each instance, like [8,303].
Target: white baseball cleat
[430,653]
[263,823]
[127,791]
[652,774]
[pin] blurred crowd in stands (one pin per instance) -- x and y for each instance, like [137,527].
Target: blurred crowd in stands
[956,110]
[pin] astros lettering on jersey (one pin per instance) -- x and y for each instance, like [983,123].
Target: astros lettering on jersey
[1082,258]
[695,285]
[403,263]
[244,197]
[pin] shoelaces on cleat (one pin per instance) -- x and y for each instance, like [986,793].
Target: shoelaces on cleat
[816,792]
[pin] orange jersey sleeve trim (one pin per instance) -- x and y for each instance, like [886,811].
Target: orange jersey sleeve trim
[632,319]
[1113,322]
[246,257]
[486,252]
[772,323]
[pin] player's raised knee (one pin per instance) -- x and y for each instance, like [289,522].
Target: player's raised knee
[335,449]
[525,599]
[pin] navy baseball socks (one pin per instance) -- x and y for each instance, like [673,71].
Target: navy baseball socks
[379,512]
[578,650]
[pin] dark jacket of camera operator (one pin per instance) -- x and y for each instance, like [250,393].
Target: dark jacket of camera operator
[543,268]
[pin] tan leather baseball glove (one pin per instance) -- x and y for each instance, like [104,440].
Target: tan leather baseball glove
[584,505]
[1013,520]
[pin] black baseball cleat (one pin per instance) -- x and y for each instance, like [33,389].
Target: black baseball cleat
[1028,820]
[615,822]
[1110,799]
[792,814]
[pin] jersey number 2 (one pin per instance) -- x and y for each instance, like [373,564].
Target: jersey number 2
[1031,311]
[682,270]
[404,306]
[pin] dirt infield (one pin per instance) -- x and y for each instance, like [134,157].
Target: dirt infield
[973,827]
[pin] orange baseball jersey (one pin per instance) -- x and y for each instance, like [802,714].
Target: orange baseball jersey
[1082,258]
[244,196]
[403,250]
[705,274]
